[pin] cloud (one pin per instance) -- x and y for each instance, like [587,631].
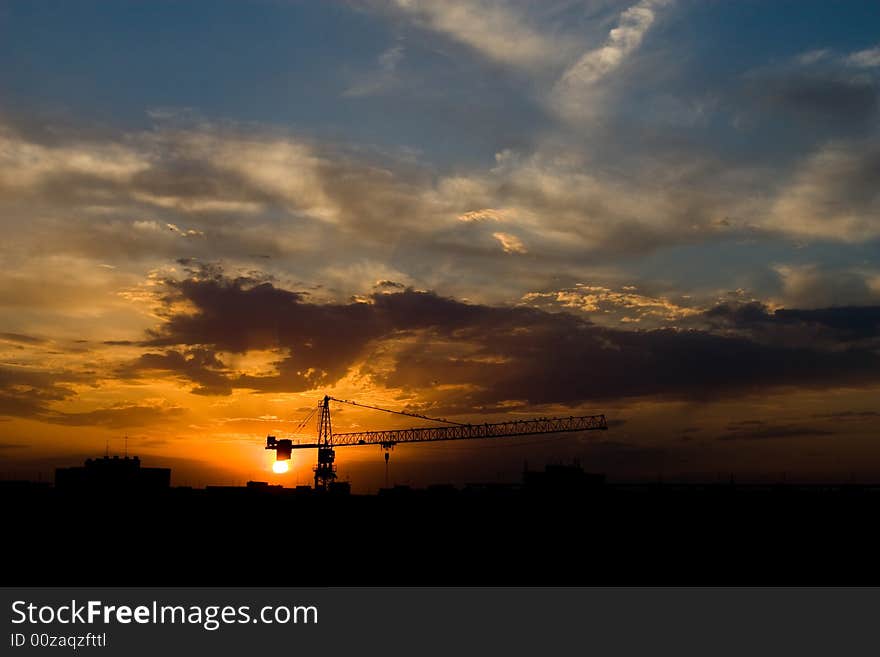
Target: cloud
[242,315]
[324,212]
[389,285]
[498,31]
[609,306]
[23,339]
[869,58]
[25,163]
[348,217]
[510,243]
[205,192]
[35,393]
[28,391]
[200,366]
[845,328]
[828,97]
[833,195]
[575,92]
[118,417]
[200,170]
[463,357]
[813,56]
[486,214]
[806,101]
[811,286]
[623,40]
[565,206]
[382,79]
[184,232]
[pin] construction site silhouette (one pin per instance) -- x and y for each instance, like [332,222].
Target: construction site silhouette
[560,526]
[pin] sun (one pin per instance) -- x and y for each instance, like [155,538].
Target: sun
[279,467]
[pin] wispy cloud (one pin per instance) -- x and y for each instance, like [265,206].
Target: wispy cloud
[833,194]
[869,58]
[496,30]
[381,79]
[574,92]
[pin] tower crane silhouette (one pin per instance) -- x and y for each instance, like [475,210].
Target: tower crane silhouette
[327,441]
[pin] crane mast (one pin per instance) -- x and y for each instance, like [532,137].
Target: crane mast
[325,470]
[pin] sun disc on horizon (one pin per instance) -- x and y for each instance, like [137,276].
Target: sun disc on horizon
[280,467]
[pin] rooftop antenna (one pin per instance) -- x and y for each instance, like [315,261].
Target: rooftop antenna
[126,445]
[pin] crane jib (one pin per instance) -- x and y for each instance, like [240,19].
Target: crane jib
[467,431]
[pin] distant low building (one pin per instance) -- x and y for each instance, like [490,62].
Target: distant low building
[264,486]
[113,473]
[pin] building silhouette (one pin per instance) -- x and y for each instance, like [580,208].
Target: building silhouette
[112,473]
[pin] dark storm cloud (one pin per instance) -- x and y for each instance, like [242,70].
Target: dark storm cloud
[322,341]
[835,327]
[565,363]
[847,323]
[496,354]
[243,315]
[200,366]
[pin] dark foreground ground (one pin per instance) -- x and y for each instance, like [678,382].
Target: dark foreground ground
[610,535]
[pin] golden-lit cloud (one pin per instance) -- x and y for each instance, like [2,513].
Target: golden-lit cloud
[486,214]
[510,243]
[608,306]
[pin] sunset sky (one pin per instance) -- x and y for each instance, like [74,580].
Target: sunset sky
[215,212]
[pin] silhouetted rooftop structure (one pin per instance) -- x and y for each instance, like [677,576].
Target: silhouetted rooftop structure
[113,473]
[264,486]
